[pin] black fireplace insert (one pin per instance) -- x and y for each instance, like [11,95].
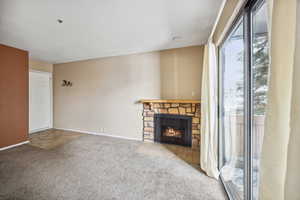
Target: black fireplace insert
[173,129]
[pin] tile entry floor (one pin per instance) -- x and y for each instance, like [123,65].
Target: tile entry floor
[52,138]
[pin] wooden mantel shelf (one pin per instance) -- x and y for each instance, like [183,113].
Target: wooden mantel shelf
[169,101]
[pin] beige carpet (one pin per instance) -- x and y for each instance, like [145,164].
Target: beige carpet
[96,167]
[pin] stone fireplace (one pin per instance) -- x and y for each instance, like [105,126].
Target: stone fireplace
[172,121]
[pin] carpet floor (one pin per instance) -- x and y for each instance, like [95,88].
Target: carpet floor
[102,168]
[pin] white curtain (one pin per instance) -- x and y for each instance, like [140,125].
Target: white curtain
[209,99]
[280,174]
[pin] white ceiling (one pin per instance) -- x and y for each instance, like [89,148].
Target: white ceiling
[101,28]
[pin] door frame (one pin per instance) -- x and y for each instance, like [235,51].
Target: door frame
[50,74]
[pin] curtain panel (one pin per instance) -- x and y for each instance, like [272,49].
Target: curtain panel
[209,119]
[280,176]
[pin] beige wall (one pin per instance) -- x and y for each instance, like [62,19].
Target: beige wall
[105,91]
[181,73]
[40,65]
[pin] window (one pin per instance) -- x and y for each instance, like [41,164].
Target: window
[232,145]
[260,71]
[244,67]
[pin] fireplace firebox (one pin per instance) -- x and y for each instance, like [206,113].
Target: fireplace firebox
[173,129]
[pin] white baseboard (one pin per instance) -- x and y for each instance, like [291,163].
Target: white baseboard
[39,130]
[99,134]
[14,145]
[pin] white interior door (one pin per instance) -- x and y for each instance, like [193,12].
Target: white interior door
[40,101]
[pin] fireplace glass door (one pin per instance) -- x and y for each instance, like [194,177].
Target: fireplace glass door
[168,131]
[173,129]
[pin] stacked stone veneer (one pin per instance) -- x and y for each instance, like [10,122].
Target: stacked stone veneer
[188,109]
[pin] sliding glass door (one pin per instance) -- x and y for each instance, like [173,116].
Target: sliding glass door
[244,67]
[232,157]
[260,72]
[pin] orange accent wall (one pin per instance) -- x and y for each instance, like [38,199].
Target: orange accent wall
[14,112]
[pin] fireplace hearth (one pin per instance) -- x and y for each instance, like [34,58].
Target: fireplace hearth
[173,129]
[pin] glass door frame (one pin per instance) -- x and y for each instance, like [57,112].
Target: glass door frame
[245,16]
